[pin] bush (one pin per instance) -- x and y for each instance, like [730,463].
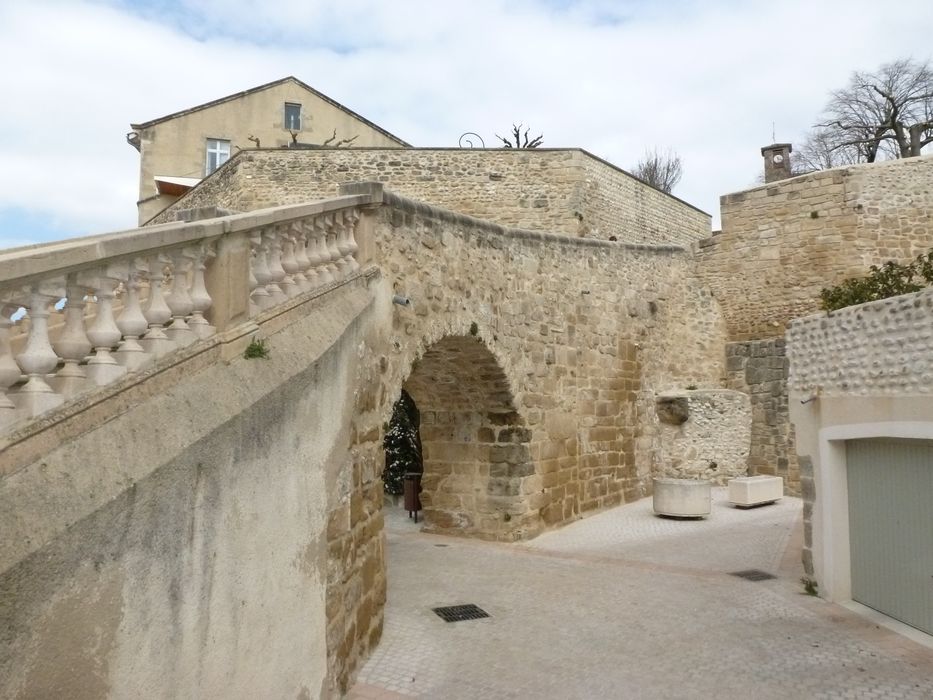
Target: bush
[402,444]
[889,280]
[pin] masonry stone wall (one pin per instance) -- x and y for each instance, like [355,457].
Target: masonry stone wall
[759,368]
[783,242]
[566,191]
[780,245]
[585,331]
[704,434]
[535,361]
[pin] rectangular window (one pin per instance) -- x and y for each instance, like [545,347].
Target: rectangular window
[218,153]
[292,116]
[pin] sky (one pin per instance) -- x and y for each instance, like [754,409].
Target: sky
[714,80]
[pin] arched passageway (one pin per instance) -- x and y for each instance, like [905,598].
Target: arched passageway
[478,469]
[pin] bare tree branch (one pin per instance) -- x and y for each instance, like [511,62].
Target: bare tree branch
[520,140]
[660,170]
[888,113]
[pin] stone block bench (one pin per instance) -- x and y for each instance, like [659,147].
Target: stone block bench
[682,498]
[750,491]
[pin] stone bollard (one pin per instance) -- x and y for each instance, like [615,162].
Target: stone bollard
[682,498]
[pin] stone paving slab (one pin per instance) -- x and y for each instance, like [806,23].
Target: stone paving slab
[627,605]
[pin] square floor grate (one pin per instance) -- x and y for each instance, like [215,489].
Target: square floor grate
[456,613]
[753,575]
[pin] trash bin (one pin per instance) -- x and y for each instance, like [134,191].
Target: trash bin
[411,487]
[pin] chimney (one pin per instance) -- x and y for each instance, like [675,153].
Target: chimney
[777,161]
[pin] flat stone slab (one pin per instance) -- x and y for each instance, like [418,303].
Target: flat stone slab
[751,491]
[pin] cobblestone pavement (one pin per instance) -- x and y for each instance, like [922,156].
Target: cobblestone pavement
[628,605]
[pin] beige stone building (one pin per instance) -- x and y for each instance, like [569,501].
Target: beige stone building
[178,150]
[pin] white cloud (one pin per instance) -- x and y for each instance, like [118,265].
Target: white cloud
[706,78]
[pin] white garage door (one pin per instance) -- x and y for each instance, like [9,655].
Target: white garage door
[891,527]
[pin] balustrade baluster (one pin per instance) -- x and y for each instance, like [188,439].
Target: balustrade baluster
[73,344]
[301,256]
[104,333]
[275,266]
[132,324]
[156,312]
[323,254]
[260,271]
[343,249]
[38,358]
[9,370]
[179,301]
[353,218]
[311,271]
[333,254]
[200,299]
[289,264]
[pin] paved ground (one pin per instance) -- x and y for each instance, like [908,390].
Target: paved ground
[628,605]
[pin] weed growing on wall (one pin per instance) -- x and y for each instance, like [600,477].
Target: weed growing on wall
[256,350]
[889,280]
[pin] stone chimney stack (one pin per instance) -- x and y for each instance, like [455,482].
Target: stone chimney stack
[777,161]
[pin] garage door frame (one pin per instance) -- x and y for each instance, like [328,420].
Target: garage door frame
[830,522]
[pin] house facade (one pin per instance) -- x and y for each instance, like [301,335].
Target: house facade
[178,150]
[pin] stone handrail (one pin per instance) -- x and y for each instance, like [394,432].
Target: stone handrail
[154,291]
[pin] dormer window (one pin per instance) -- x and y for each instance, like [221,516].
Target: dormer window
[218,153]
[292,116]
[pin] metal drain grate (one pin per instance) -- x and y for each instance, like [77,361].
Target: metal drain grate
[753,575]
[456,613]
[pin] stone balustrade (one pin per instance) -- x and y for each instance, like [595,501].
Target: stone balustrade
[82,314]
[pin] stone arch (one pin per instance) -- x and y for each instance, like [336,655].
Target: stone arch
[478,469]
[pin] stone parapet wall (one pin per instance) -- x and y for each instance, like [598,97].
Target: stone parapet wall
[783,242]
[882,348]
[565,191]
[759,368]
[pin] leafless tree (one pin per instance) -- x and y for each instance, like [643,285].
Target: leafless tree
[662,170]
[888,113]
[820,151]
[521,140]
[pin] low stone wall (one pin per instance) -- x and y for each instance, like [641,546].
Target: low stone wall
[759,368]
[704,434]
[565,191]
[783,242]
[881,348]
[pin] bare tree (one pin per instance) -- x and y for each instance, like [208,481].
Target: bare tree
[521,140]
[660,170]
[888,113]
[820,151]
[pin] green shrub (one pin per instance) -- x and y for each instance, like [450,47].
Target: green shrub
[256,350]
[402,444]
[889,280]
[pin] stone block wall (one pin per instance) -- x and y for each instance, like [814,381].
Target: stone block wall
[783,242]
[566,191]
[759,368]
[582,334]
